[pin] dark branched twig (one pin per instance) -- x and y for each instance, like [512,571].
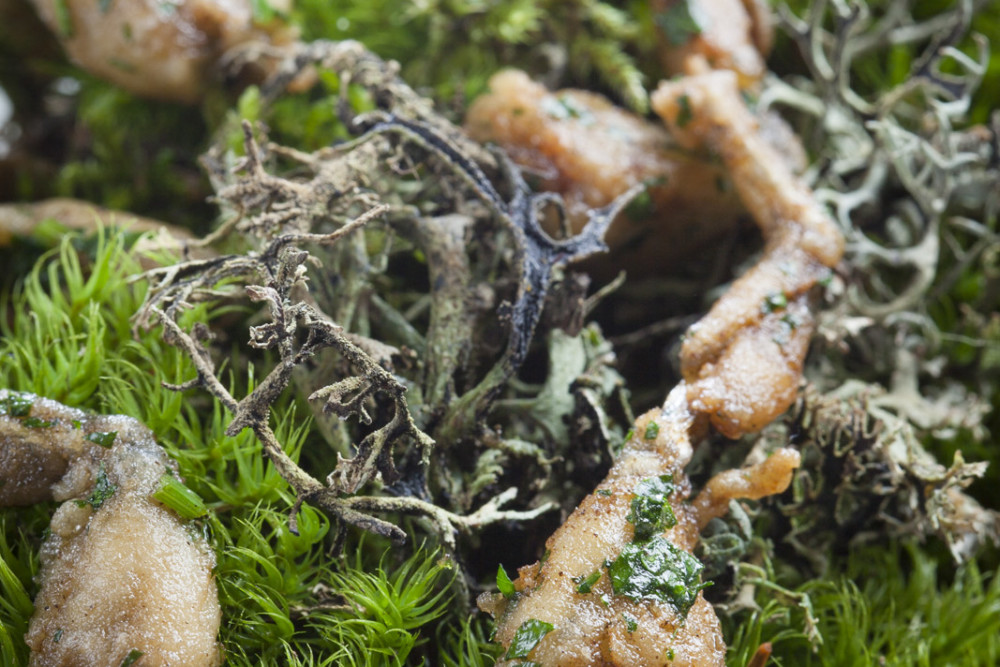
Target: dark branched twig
[536,253]
[283,212]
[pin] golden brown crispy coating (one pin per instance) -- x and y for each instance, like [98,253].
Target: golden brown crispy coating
[120,572]
[163,50]
[599,627]
[743,360]
[591,151]
[733,35]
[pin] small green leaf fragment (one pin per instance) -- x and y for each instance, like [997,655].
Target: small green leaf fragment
[35,422]
[773,302]
[103,489]
[103,439]
[659,571]
[57,636]
[606,493]
[132,657]
[17,405]
[670,654]
[631,622]
[650,511]
[527,637]
[684,114]
[652,430]
[680,22]
[182,500]
[504,584]
[584,584]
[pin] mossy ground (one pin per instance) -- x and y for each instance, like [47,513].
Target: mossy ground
[66,313]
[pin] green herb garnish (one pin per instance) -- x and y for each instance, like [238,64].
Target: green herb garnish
[652,430]
[16,405]
[504,584]
[650,511]
[659,571]
[684,114]
[585,583]
[103,489]
[132,656]
[527,637]
[631,622]
[102,439]
[773,302]
[35,422]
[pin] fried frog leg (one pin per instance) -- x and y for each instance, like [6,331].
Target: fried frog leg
[743,360]
[618,585]
[121,574]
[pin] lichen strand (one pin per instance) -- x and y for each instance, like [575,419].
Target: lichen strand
[119,572]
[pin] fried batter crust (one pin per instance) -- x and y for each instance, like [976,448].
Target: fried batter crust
[731,35]
[591,151]
[166,51]
[126,576]
[743,360]
[592,629]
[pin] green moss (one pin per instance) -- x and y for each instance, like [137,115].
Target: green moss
[895,606]
[70,339]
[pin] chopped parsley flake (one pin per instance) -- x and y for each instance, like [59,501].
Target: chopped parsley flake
[631,622]
[103,489]
[684,114]
[585,583]
[527,637]
[35,422]
[773,302]
[650,511]
[16,405]
[102,439]
[504,584]
[659,571]
[132,656]
[652,430]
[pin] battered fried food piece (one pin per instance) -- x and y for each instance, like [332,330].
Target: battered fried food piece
[162,50]
[618,584]
[120,572]
[732,35]
[743,360]
[591,151]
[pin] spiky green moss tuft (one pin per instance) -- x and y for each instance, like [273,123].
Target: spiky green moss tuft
[69,338]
